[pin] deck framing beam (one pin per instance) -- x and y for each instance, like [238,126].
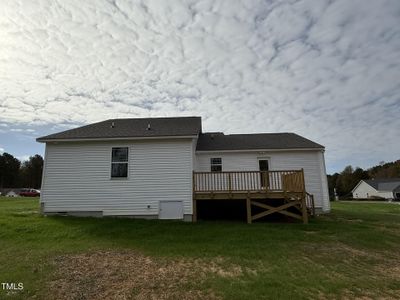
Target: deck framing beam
[279,209]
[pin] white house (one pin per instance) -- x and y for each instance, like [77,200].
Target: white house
[147,168]
[388,188]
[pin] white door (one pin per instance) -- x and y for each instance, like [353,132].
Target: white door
[171,210]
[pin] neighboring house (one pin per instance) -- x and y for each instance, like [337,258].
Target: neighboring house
[388,188]
[150,168]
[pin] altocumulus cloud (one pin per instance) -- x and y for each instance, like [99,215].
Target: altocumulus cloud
[328,70]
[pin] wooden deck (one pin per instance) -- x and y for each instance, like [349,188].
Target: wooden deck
[259,189]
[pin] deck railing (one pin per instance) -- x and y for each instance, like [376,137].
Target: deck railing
[241,181]
[310,203]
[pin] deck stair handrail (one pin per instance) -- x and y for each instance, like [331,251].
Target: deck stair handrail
[310,203]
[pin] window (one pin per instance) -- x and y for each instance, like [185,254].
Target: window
[119,162]
[216,164]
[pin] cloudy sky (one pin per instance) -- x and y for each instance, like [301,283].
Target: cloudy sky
[327,70]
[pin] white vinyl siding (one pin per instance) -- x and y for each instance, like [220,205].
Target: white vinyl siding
[77,177]
[311,161]
[386,194]
[364,190]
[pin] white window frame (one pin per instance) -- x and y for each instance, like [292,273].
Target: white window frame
[111,163]
[213,164]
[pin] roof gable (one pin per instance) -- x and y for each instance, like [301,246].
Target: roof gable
[362,181]
[131,128]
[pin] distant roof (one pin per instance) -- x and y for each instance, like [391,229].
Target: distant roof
[126,128]
[384,184]
[220,141]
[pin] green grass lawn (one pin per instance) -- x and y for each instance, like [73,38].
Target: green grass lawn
[352,252]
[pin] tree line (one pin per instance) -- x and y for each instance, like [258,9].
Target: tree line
[345,181]
[17,174]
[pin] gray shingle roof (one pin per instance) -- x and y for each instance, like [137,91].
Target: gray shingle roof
[182,126]
[219,141]
[384,184]
[126,128]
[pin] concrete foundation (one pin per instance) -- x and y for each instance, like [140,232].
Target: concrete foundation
[99,214]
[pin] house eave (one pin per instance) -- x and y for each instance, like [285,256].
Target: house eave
[259,150]
[44,140]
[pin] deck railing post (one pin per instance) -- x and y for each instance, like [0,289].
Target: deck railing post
[265,181]
[303,182]
[230,182]
[194,182]
[283,181]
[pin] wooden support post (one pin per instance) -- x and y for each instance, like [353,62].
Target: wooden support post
[248,205]
[194,218]
[194,203]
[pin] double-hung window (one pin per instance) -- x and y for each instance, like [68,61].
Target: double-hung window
[119,162]
[216,164]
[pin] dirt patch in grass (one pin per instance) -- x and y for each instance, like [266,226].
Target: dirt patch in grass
[353,266]
[334,250]
[131,275]
[392,230]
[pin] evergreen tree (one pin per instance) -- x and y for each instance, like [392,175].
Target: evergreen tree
[9,171]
